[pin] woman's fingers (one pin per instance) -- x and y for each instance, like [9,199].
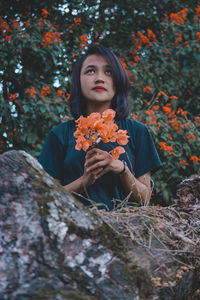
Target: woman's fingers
[102,172]
[97,164]
[99,158]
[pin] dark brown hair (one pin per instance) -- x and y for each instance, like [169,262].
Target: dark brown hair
[119,103]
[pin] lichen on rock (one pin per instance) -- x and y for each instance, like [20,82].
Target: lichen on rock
[52,247]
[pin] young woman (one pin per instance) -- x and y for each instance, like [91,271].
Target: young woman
[99,82]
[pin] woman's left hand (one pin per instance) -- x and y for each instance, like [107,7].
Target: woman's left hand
[97,158]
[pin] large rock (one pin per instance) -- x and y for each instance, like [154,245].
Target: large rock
[54,248]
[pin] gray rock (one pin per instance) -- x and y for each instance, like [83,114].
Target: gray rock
[52,247]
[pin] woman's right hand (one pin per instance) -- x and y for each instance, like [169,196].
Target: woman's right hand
[89,177]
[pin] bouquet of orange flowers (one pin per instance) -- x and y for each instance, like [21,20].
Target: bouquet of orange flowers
[91,130]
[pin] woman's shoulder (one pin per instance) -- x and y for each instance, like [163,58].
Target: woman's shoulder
[132,125]
[62,130]
[63,126]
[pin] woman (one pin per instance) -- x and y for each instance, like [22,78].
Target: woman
[99,82]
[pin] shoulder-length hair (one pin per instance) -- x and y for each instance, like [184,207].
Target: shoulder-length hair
[121,82]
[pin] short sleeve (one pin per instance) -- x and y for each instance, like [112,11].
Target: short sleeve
[146,155]
[51,157]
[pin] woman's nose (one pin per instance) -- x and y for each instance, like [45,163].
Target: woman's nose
[99,77]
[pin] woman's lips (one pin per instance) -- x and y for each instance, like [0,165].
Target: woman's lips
[99,89]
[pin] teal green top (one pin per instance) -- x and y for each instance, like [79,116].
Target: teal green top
[60,159]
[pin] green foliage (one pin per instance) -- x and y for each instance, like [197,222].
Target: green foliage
[38,49]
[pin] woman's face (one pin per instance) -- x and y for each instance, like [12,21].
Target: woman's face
[96,80]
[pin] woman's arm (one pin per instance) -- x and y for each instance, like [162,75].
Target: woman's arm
[140,187]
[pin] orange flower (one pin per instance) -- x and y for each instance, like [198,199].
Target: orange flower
[108,133]
[82,143]
[173,97]
[182,112]
[83,41]
[153,120]
[177,125]
[116,152]
[143,38]
[162,93]
[45,13]
[155,107]
[136,58]
[82,127]
[168,149]
[12,97]
[3,25]
[78,21]
[123,63]
[167,110]
[8,38]
[32,92]
[68,95]
[44,92]
[198,36]
[179,17]
[15,24]
[94,129]
[194,159]
[151,36]
[190,136]
[108,115]
[93,117]
[149,112]
[122,137]
[178,39]
[147,89]
[74,55]
[60,93]
[183,162]
[135,117]
[51,38]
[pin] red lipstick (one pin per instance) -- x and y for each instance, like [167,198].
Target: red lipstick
[99,88]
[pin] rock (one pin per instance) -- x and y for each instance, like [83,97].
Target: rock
[54,248]
[188,192]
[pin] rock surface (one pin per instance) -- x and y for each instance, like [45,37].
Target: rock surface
[51,247]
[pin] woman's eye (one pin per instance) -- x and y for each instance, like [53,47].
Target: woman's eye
[108,72]
[89,71]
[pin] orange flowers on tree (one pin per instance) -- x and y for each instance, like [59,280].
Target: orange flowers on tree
[51,38]
[94,129]
[168,149]
[45,13]
[44,92]
[194,159]
[32,92]
[179,17]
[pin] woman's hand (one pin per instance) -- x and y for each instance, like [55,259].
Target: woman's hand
[99,162]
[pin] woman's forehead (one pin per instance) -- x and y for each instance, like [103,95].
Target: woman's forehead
[95,60]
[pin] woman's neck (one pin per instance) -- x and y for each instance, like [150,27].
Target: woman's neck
[94,107]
